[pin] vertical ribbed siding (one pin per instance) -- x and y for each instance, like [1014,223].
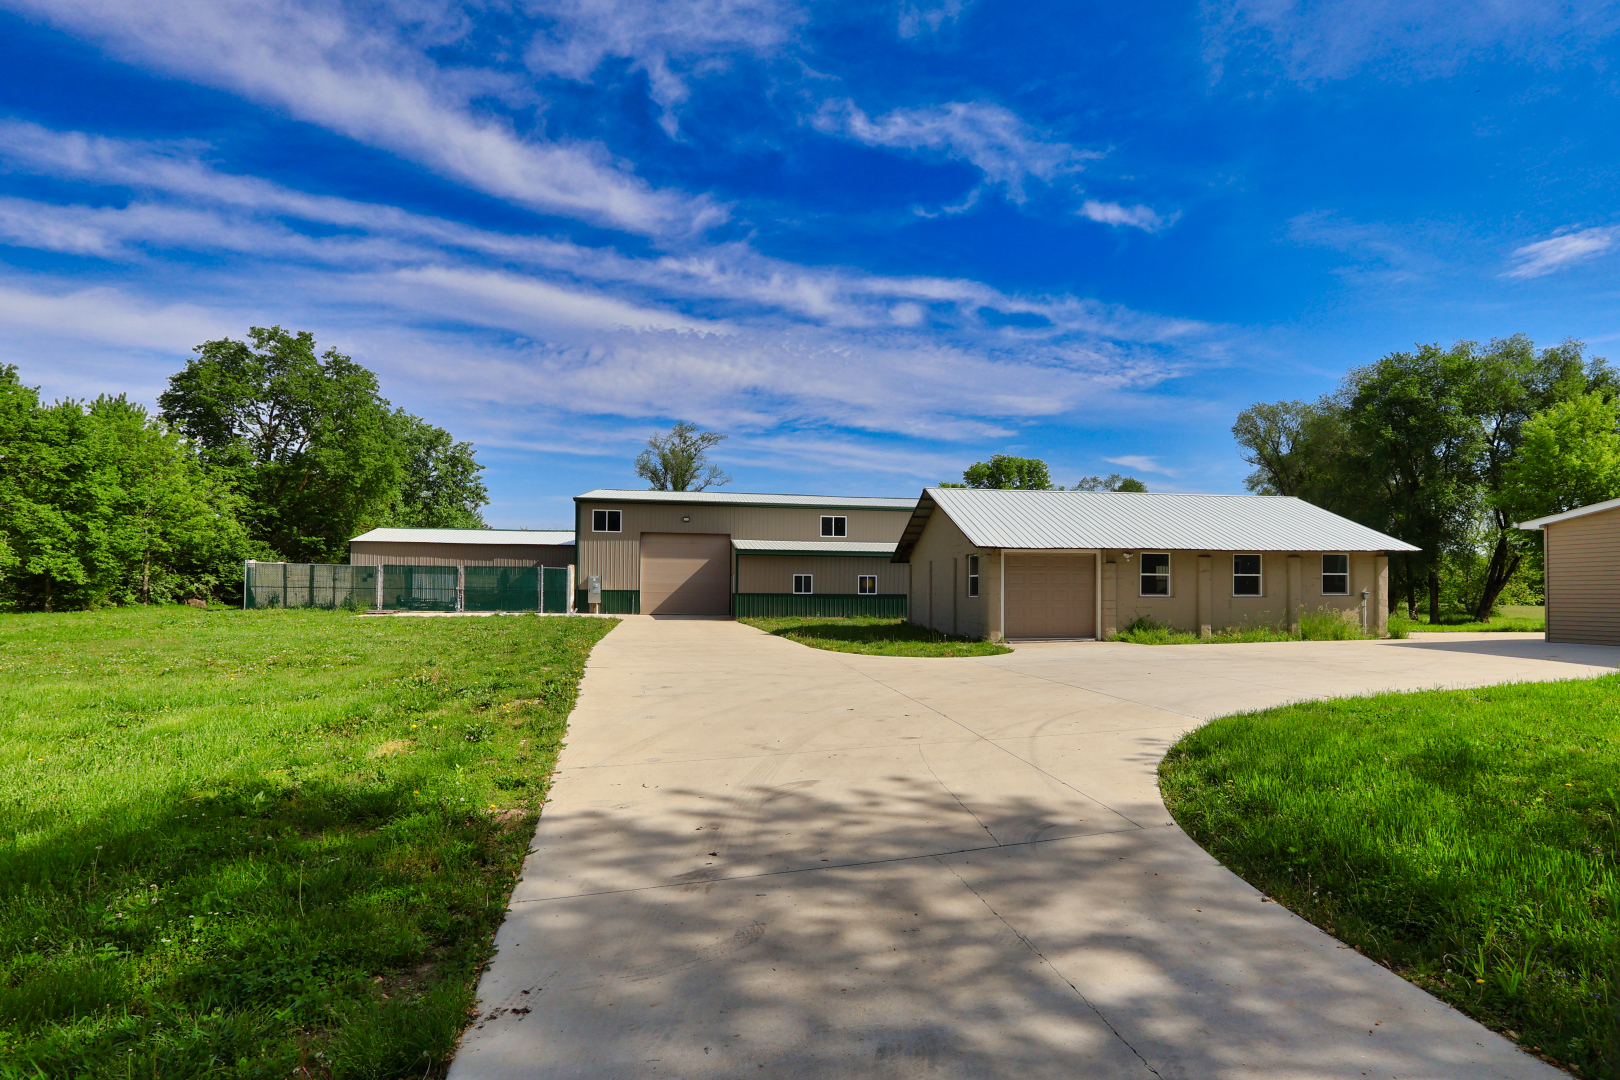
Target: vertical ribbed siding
[420,553]
[617,556]
[938,590]
[832,573]
[1583,579]
[824,606]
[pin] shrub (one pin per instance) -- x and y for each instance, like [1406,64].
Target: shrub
[1331,624]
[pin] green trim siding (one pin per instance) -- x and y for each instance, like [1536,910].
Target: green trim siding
[818,605]
[614,601]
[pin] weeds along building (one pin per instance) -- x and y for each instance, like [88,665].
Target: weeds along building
[742,554]
[1081,564]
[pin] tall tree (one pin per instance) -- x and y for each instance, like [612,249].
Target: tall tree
[1111,482]
[439,486]
[1569,456]
[678,460]
[1006,471]
[308,439]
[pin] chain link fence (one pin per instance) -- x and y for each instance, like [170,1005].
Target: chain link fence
[406,588]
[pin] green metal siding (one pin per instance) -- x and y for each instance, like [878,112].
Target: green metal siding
[819,605]
[614,601]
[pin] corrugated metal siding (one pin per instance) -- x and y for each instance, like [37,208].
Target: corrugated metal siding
[385,553]
[1130,520]
[1583,579]
[741,498]
[617,556]
[938,590]
[780,606]
[518,537]
[833,574]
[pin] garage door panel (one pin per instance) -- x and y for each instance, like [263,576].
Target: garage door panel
[1051,596]
[685,574]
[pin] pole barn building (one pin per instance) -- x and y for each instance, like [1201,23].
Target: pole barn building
[1582,558]
[463,547]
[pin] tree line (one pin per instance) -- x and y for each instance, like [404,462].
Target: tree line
[261,449]
[1448,448]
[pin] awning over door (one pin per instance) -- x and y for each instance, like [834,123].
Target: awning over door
[1051,596]
[685,574]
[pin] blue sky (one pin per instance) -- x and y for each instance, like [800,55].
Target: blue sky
[872,242]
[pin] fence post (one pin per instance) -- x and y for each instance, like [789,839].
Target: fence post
[568,607]
[542,575]
[245,578]
[461,587]
[380,586]
[283,585]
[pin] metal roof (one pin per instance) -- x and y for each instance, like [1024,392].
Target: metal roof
[468,536]
[811,547]
[1124,519]
[1581,511]
[744,498]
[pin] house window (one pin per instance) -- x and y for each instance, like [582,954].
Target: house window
[607,520]
[803,584]
[973,575]
[1335,575]
[868,585]
[1246,575]
[1155,574]
[834,526]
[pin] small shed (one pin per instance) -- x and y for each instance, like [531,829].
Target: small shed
[463,547]
[1582,557]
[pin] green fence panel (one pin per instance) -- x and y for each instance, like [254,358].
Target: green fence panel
[819,605]
[318,585]
[555,594]
[501,588]
[419,588]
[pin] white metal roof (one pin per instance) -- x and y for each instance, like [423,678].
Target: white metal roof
[813,547]
[1580,511]
[745,498]
[1126,519]
[468,536]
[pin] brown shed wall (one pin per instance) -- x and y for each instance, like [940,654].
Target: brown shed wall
[939,598]
[617,556]
[394,553]
[1583,579]
[833,573]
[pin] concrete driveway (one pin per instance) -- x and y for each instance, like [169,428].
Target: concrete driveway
[762,859]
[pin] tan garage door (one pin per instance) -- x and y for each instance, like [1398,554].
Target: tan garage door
[1051,596]
[685,574]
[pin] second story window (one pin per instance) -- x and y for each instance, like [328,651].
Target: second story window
[834,525]
[973,575]
[607,520]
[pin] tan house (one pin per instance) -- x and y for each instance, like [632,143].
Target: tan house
[740,553]
[1081,564]
[1582,557]
[462,547]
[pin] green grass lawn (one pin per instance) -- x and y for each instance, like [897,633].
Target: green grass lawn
[1462,624]
[263,844]
[1467,839]
[878,637]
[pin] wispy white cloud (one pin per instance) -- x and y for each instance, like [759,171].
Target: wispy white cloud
[360,77]
[1140,464]
[1561,250]
[992,138]
[918,17]
[1380,254]
[1335,39]
[1136,217]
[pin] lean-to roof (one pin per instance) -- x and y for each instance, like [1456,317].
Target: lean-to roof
[468,536]
[745,498]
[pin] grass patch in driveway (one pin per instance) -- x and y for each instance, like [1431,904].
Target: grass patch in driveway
[263,844]
[875,637]
[1467,839]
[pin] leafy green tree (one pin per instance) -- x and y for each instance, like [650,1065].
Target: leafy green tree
[1569,457]
[439,485]
[1006,471]
[1111,482]
[307,439]
[678,460]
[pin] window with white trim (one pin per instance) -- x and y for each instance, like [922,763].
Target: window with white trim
[1335,575]
[973,575]
[607,520]
[803,584]
[1246,575]
[834,525]
[867,585]
[1155,573]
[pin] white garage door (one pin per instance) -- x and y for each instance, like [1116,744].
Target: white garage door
[685,574]
[1051,596]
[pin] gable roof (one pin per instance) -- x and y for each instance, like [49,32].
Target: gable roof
[745,498]
[1580,511]
[469,536]
[1060,520]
